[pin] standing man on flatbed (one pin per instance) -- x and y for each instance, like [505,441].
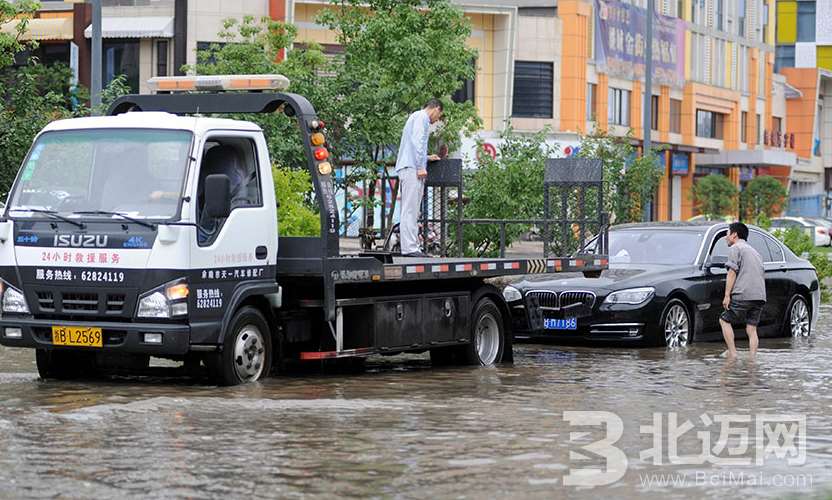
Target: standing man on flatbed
[412,169]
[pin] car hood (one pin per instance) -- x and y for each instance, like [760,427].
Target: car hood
[617,277]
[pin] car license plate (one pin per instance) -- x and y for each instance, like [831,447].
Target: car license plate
[560,324]
[77,336]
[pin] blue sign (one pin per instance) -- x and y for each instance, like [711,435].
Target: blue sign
[680,164]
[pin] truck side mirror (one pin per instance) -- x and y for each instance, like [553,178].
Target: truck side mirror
[218,196]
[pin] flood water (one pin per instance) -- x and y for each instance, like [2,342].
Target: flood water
[404,429]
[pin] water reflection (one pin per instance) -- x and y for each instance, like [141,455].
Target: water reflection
[402,428]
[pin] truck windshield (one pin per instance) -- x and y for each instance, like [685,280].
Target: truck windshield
[138,173]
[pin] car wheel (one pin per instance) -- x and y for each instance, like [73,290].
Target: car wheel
[487,335]
[247,350]
[675,325]
[798,322]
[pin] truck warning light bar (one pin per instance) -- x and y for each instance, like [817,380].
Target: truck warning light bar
[215,83]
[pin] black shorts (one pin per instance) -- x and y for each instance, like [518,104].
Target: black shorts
[743,312]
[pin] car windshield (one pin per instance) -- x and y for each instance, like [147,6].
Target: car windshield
[138,173]
[654,246]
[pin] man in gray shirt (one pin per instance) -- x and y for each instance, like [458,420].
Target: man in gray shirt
[745,289]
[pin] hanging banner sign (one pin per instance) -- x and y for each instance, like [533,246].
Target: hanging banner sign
[620,43]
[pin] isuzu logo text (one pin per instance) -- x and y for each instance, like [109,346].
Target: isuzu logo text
[81,240]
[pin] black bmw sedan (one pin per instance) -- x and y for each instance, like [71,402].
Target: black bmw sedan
[664,286]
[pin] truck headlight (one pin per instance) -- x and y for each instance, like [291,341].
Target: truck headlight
[631,296]
[167,301]
[512,294]
[13,300]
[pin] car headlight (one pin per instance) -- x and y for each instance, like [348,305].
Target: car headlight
[167,301]
[512,294]
[13,300]
[632,296]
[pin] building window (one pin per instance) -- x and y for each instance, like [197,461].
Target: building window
[467,92]
[805,21]
[654,112]
[591,102]
[162,58]
[720,15]
[533,88]
[741,18]
[709,124]
[618,107]
[675,116]
[765,22]
[744,127]
[121,58]
[680,9]
[776,125]
[759,133]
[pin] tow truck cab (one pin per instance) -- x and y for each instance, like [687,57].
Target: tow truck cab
[147,233]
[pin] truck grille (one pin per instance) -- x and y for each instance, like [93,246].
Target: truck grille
[544,298]
[81,302]
[46,301]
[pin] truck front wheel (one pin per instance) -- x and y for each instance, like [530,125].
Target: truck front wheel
[488,338]
[63,365]
[247,351]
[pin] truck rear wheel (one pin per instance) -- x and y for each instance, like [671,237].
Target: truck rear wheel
[247,351]
[488,338]
[63,365]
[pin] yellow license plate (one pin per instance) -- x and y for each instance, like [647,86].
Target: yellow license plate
[77,336]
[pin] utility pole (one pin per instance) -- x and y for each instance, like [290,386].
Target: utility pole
[95,80]
[95,77]
[647,120]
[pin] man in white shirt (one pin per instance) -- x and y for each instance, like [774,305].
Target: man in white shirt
[411,167]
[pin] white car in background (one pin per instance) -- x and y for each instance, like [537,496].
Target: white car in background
[818,229]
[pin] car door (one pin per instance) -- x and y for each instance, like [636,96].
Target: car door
[714,284]
[716,281]
[774,280]
[783,287]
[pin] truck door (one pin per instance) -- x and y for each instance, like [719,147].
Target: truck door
[241,250]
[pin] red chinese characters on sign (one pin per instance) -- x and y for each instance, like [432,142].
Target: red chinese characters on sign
[80,257]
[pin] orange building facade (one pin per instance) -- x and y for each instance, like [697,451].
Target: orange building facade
[725,112]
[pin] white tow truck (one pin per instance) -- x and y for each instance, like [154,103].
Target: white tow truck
[152,232]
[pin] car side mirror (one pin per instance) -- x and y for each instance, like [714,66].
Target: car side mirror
[716,262]
[217,196]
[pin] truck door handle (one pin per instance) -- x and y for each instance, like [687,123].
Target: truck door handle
[261,252]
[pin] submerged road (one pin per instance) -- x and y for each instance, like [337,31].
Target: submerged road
[405,429]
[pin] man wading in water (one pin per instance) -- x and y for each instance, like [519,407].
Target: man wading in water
[745,289]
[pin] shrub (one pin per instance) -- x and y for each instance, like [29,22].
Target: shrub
[715,196]
[295,213]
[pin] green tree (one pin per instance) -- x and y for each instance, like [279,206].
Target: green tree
[24,112]
[763,196]
[803,245]
[509,186]
[630,181]
[715,195]
[12,43]
[295,215]
[397,54]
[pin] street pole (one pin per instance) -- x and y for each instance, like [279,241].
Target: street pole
[95,93]
[648,78]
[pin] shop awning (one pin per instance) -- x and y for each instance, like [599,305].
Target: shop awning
[748,158]
[42,29]
[134,27]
